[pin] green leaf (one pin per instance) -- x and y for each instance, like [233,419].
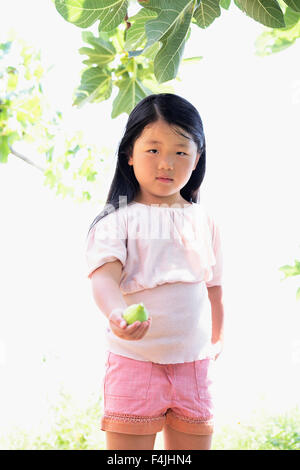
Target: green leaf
[74,150]
[114,16]
[131,91]
[84,13]
[4,148]
[29,110]
[151,52]
[158,88]
[168,58]
[12,137]
[95,86]
[12,80]
[207,12]
[49,154]
[136,34]
[86,195]
[102,53]
[171,27]
[276,40]
[291,270]
[225,4]
[193,59]
[5,47]
[4,110]
[50,178]
[293,4]
[298,294]
[266,12]
[291,18]
[170,14]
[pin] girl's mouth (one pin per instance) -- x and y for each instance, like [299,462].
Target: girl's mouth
[165,180]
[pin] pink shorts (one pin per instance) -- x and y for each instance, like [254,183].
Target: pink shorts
[140,396]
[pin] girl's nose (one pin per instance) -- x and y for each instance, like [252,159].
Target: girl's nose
[166,163]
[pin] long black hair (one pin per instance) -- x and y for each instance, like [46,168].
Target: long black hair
[174,110]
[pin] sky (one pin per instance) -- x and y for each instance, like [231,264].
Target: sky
[250,111]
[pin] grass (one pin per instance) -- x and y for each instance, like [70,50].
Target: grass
[279,432]
[73,428]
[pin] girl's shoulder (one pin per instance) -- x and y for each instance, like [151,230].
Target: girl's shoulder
[112,222]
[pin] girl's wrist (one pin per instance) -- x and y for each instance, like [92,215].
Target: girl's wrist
[118,311]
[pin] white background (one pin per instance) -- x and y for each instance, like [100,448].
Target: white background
[250,111]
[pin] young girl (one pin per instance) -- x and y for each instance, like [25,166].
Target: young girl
[155,243]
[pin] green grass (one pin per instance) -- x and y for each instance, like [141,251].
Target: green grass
[279,432]
[73,428]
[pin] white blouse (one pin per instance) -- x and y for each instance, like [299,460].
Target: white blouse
[170,255]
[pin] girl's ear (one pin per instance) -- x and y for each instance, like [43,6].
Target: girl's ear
[197,160]
[129,155]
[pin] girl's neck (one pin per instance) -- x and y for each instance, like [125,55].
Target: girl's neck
[175,205]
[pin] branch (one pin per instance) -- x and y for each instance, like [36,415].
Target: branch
[127,22]
[19,155]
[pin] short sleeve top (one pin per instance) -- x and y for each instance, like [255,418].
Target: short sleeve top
[157,244]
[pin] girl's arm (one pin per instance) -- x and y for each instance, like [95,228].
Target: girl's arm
[215,295]
[105,286]
[108,297]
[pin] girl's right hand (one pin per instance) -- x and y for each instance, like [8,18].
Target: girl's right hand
[121,329]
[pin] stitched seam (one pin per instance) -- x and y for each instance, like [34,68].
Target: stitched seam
[196,380]
[151,371]
[193,420]
[140,419]
[105,379]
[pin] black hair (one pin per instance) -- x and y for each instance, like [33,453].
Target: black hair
[174,110]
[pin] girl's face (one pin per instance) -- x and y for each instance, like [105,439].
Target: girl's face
[160,151]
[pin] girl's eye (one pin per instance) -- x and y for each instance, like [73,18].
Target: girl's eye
[155,150]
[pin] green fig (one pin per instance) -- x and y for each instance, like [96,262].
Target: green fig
[135,312]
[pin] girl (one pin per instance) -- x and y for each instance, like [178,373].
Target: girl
[154,243]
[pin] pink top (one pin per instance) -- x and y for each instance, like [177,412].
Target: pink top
[170,255]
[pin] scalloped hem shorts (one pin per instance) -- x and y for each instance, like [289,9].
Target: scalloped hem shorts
[140,397]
